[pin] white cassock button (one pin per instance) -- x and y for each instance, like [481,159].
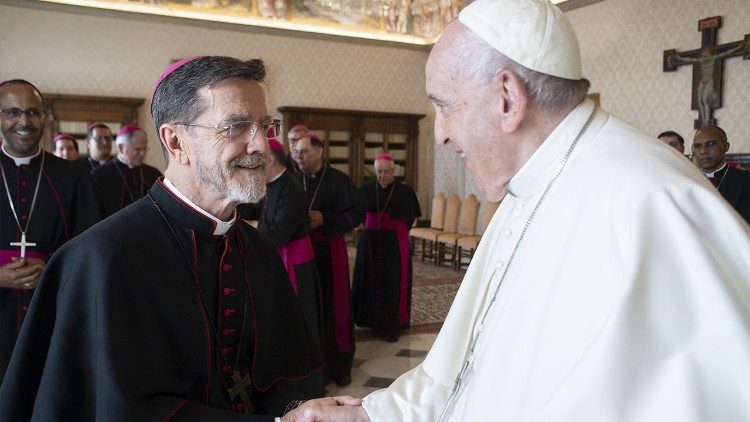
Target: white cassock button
[520,207]
[480,329]
[507,232]
[500,265]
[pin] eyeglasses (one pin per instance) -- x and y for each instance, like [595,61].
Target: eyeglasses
[709,144]
[244,129]
[15,113]
[102,138]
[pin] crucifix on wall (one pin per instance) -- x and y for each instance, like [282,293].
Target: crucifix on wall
[708,67]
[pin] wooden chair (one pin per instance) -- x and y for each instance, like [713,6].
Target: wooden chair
[466,246]
[450,225]
[467,226]
[418,236]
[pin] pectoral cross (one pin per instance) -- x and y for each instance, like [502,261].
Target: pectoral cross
[23,244]
[239,388]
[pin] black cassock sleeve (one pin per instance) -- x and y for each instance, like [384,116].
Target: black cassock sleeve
[286,210]
[348,210]
[88,209]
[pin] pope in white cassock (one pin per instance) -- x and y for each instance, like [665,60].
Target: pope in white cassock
[611,284]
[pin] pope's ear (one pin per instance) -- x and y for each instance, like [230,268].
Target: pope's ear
[173,143]
[514,99]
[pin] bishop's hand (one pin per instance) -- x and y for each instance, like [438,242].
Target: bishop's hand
[21,273]
[316,219]
[333,409]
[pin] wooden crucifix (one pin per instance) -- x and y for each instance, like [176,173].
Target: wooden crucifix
[708,68]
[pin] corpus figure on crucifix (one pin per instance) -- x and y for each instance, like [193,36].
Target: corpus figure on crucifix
[707,61]
[708,67]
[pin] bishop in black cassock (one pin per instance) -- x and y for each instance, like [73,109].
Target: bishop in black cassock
[382,283]
[336,207]
[734,185]
[99,142]
[171,310]
[282,216]
[126,178]
[709,151]
[66,204]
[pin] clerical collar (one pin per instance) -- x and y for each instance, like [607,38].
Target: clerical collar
[222,227]
[536,173]
[277,176]
[117,158]
[317,173]
[718,170]
[21,161]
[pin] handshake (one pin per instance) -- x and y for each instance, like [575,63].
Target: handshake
[334,409]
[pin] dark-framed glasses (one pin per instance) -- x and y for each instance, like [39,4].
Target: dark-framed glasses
[102,138]
[15,113]
[244,129]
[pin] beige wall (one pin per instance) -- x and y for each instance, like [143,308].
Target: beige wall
[66,51]
[621,45]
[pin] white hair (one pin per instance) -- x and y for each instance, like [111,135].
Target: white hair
[480,62]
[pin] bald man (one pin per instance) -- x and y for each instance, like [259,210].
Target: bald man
[710,147]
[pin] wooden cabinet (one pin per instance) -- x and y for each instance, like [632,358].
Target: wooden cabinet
[354,138]
[74,113]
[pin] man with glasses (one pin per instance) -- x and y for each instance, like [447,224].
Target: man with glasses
[99,140]
[126,178]
[174,308]
[710,147]
[294,135]
[44,202]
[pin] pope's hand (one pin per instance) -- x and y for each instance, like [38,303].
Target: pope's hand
[333,409]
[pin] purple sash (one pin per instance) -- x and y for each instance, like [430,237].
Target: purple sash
[298,251]
[402,235]
[339,285]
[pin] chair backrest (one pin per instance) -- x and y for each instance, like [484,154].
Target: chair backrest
[451,214]
[487,214]
[438,211]
[467,222]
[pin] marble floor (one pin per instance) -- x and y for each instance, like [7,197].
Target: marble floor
[377,363]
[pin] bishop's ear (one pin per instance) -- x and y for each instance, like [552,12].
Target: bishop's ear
[173,143]
[514,100]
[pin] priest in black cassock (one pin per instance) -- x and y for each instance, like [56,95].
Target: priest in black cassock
[283,218]
[173,308]
[335,208]
[126,178]
[382,272]
[295,133]
[99,141]
[44,202]
[710,146]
